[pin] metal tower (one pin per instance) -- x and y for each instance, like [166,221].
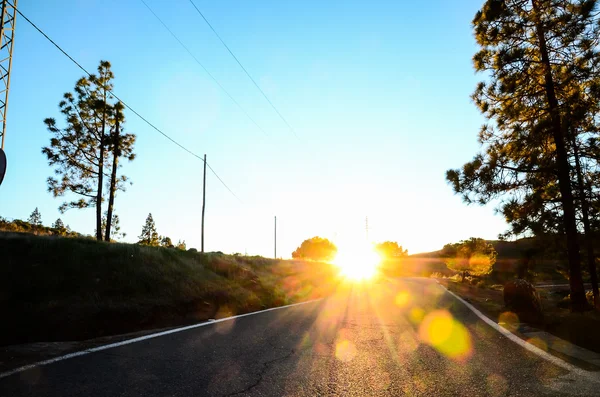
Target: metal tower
[7,36]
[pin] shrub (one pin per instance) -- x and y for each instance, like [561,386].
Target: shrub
[456,277]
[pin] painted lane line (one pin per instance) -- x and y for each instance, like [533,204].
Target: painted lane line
[142,338]
[590,375]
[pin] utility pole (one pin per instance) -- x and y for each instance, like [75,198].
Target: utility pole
[7,35]
[203,203]
[276,237]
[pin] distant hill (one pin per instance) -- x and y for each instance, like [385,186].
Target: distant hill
[544,256]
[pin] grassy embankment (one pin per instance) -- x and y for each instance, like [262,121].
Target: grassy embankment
[55,288]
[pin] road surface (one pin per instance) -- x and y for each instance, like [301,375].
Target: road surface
[390,338]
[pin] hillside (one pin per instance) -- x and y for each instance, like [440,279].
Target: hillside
[56,288]
[544,256]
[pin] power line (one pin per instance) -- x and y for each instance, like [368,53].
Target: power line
[204,68]
[244,69]
[123,102]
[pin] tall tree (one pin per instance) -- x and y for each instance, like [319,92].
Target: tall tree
[78,151]
[149,234]
[533,51]
[120,145]
[35,218]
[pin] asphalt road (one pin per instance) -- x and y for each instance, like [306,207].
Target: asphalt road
[393,338]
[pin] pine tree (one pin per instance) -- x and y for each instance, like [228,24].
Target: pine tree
[120,145]
[115,233]
[149,235]
[81,151]
[166,242]
[535,52]
[60,227]
[35,218]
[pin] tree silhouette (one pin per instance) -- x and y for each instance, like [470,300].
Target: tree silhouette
[81,151]
[543,63]
[120,145]
[474,256]
[35,218]
[316,249]
[149,235]
[390,249]
[115,233]
[60,227]
[166,242]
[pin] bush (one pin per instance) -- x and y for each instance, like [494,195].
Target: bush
[521,297]
[436,275]
[480,284]
[456,277]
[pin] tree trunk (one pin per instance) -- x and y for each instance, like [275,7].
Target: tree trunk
[578,300]
[589,242]
[464,275]
[100,181]
[113,177]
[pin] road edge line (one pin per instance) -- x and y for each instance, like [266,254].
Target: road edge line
[593,376]
[142,338]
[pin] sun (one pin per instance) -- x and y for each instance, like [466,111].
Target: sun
[357,262]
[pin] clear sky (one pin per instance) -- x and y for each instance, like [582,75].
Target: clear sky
[378,93]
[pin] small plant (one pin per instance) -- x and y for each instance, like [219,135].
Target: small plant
[456,277]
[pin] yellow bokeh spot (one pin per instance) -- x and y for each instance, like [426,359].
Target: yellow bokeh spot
[402,299]
[508,318]
[416,315]
[345,351]
[539,343]
[440,330]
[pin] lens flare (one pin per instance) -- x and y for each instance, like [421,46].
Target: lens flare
[345,351]
[448,336]
[402,299]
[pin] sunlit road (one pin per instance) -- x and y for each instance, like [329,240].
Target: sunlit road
[404,337]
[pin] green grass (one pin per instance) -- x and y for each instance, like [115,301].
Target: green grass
[54,288]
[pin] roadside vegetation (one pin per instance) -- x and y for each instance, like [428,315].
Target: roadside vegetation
[55,288]
[540,261]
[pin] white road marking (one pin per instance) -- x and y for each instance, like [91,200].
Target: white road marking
[141,338]
[590,375]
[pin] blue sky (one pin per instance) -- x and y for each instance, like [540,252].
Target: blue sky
[378,93]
